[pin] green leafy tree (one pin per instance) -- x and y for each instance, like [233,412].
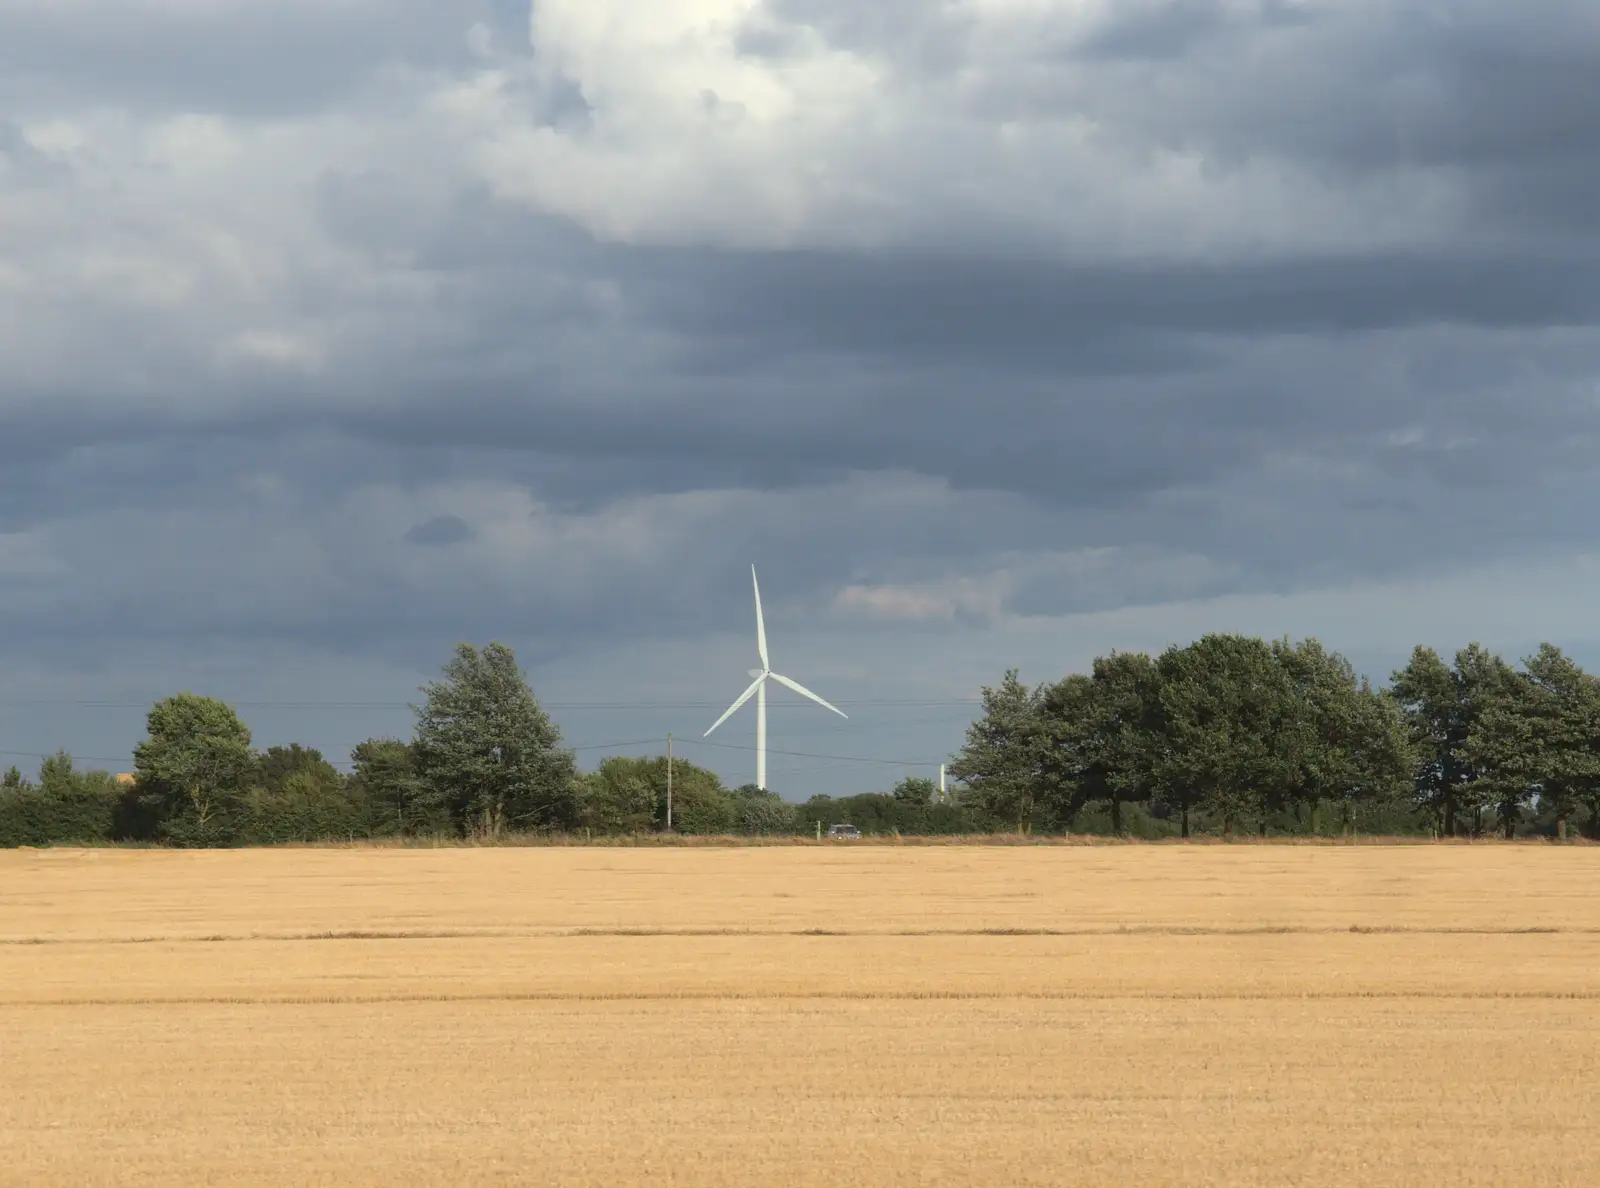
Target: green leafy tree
[1127,701]
[1428,694]
[629,795]
[701,806]
[1569,711]
[1226,711]
[1381,763]
[1002,763]
[621,796]
[1507,748]
[588,793]
[760,812]
[1099,739]
[194,767]
[65,806]
[699,800]
[1345,742]
[56,776]
[385,782]
[488,755]
[1442,706]
[60,778]
[1072,740]
[916,791]
[278,765]
[304,807]
[1539,737]
[300,796]
[1487,683]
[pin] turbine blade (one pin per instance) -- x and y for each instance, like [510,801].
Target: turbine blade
[804,692]
[743,697]
[761,626]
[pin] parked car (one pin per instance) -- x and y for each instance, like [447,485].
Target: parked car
[847,832]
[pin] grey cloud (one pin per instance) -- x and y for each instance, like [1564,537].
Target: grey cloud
[440,531]
[642,422]
[256,59]
[564,105]
[760,36]
[1170,29]
[1462,86]
[927,38]
[21,162]
[1057,314]
[792,369]
[1497,99]
[1000,407]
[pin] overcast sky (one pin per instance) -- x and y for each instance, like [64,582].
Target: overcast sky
[994,332]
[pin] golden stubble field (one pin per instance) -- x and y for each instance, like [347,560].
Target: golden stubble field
[1151,1015]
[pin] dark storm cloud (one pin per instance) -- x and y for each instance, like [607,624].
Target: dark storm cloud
[1506,94]
[1503,94]
[1080,386]
[1500,86]
[1211,420]
[1071,318]
[1171,29]
[988,374]
[439,531]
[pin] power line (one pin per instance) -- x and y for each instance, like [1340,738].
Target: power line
[632,742]
[75,758]
[637,742]
[811,770]
[94,703]
[101,703]
[605,746]
[814,755]
[836,760]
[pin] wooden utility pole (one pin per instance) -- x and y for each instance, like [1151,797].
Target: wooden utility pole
[669,781]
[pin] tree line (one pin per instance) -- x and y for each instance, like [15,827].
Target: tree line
[1225,735]
[1232,733]
[484,761]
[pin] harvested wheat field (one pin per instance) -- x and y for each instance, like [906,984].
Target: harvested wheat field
[1151,1015]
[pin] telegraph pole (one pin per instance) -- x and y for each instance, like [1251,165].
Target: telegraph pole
[669,781]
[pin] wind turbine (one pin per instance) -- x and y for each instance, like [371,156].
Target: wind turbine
[758,690]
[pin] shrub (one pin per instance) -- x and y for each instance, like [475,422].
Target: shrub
[308,808]
[67,807]
[762,813]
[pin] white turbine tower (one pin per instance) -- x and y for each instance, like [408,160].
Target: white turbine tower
[758,689]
